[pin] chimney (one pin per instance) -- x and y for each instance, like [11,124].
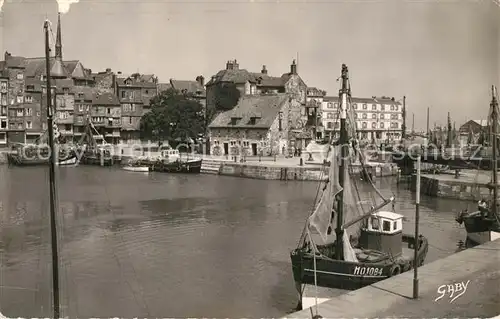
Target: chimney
[293,67]
[7,55]
[201,80]
[264,70]
[229,65]
[236,66]
[59,38]
[119,72]
[108,70]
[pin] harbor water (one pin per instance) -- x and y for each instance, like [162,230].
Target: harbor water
[165,245]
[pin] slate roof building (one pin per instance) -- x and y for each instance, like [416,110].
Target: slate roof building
[257,125]
[196,89]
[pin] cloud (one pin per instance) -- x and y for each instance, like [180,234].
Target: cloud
[63,5]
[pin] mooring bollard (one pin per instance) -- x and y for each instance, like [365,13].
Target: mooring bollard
[301,161]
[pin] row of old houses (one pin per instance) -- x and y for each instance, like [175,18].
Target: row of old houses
[274,113]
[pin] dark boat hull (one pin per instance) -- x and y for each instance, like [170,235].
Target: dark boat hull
[17,160]
[95,160]
[341,274]
[480,229]
[189,167]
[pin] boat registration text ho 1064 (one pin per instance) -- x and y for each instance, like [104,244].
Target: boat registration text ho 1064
[367,271]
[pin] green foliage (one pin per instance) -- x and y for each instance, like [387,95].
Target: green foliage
[227,96]
[173,116]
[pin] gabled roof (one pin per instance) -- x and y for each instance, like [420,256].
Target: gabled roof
[136,80]
[236,76]
[264,108]
[483,123]
[107,99]
[193,87]
[89,93]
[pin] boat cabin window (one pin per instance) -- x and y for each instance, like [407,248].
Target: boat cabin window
[375,223]
[394,225]
[386,225]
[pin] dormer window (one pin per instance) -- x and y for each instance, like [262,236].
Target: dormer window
[234,120]
[80,95]
[253,120]
[128,82]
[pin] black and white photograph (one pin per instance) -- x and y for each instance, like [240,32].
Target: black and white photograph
[249,159]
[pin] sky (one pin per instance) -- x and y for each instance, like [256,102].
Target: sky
[439,54]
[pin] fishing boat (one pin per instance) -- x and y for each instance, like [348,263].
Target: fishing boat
[171,161]
[483,225]
[138,165]
[94,153]
[368,244]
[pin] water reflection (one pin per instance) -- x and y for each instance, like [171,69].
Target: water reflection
[156,245]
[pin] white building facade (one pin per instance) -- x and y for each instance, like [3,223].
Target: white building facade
[378,119]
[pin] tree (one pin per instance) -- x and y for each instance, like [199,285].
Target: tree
[173,116]
[227,96]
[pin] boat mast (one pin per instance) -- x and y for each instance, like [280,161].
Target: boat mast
[344,149]
[52,182]
[494,119]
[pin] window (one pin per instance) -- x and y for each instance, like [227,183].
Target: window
[109,110]
[386,225]
[29,112]
[19,126]
[29,99]
[382,125]
[80,95]
[365,124]
[30,88]
[44,126]
[365,107]
[132,107]
[392,107]
[365,116]
[337,124]
[44,90]
[382,107]
[65,91]
[330,105]
[336,115]
[124,94]
[20,112]
[335,105]
[29,125]
[355,115]
[3,85]
[67,127]
[374,125]
[80,107]
[147,92]
[130,120]
[375,223]
[382,116]
[374,116]
[3,124]
[394,225]
[19,99]
[20,76]
[329,125]
[355,106]
[329,115]
[396,108]
[374,107]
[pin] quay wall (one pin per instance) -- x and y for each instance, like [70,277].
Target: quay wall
[437,186]
[298,173]
[476,268]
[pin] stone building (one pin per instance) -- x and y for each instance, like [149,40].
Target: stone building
[64,107]
[262,84]
[257,125]
[377,118]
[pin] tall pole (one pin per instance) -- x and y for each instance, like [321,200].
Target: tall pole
[52,182]
[413,123]
[417,221]
[494,119]
[344,92]
[403,134]
[428,133]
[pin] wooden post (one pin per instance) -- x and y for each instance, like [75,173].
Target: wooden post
[416,245]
